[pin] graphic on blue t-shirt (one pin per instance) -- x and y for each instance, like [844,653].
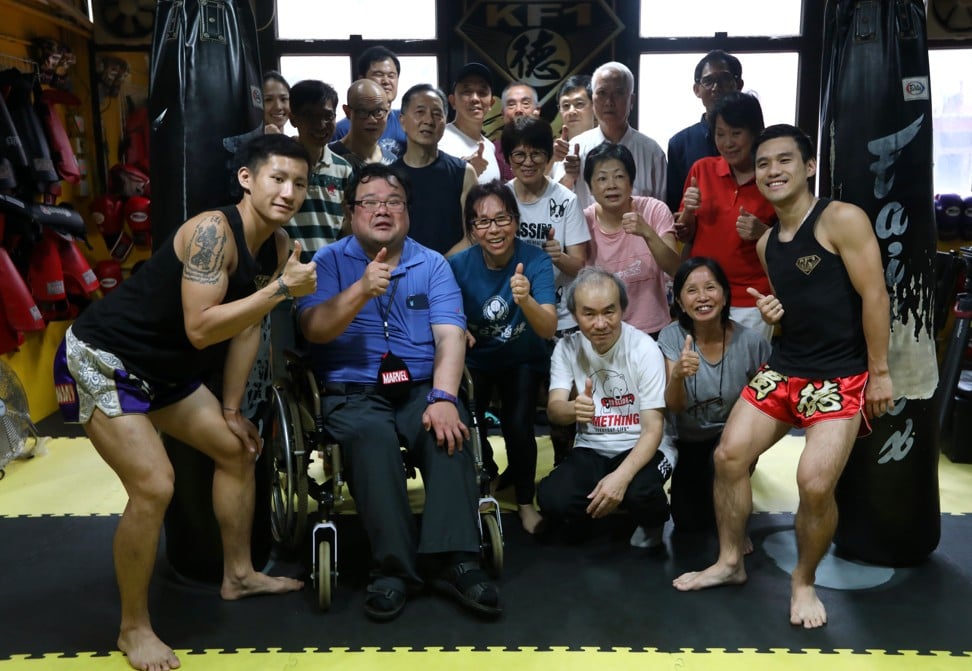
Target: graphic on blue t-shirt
[495,309]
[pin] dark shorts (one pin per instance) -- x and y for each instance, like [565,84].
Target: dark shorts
[803,402]
[86,378]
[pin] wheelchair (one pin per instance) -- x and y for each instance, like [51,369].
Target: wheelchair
[297,434]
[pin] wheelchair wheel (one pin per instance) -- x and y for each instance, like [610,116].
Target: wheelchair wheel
[492,545]
[324,575]
[288,472]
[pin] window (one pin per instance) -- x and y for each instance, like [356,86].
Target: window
[951,89]
[372,19]
[667,104]
[705,18]
[337,70]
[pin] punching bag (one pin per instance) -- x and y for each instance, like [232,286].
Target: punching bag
[876,152]
[206,94]
[205,98]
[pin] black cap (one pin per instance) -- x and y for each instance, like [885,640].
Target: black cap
[474,70]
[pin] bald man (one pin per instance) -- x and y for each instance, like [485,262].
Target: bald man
[368,110]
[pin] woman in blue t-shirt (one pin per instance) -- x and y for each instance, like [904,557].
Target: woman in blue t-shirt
[509,300]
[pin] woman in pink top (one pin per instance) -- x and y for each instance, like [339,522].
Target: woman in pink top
[631,236]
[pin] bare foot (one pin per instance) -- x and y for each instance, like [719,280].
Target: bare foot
[257,583]
[529,518]
[146,652]
[806,609]
[714,576]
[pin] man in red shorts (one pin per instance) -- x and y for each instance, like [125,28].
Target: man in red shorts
[828,372]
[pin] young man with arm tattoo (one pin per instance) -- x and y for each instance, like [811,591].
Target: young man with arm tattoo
[133,363]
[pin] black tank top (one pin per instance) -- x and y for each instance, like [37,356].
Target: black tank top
[822,336]
[142,322]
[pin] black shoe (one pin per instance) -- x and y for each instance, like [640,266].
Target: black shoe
[383,603]
[469,585]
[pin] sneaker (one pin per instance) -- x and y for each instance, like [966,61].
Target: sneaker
[647,538]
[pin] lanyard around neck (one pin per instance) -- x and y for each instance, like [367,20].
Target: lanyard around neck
[384,311]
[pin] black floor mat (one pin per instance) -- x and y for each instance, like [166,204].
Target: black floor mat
[59,589]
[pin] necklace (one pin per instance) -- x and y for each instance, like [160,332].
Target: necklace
[813,202]
[700,407]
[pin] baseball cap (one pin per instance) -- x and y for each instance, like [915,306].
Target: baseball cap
[474,70]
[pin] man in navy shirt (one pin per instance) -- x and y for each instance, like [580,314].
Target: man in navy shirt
[717,74]
[388,342]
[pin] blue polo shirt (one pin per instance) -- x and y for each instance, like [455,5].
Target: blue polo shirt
[425,293]
[685,148]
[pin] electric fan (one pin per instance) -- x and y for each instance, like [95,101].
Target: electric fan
[15,426]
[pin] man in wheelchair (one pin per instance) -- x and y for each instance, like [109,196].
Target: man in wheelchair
[387,341]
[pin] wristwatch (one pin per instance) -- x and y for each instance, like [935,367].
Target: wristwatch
[437,395]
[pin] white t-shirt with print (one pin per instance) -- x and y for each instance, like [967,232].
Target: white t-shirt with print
[628,378]
[557,208]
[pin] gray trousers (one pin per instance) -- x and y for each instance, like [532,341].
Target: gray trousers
[371,430]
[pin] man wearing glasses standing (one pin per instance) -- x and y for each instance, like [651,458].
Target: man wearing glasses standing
[368,110]
[381,65]
[388,341]
[716,75]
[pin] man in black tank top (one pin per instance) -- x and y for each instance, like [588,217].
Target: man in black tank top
[828,372]
[132,363]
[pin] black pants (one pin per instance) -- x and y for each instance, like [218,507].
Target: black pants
[692,505]
[517,389]
[368,427]
[563,493]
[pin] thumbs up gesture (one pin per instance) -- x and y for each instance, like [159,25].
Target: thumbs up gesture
[519,285]
[572,163]
[770,307]
[552,246]
[692,198]
[477,161]
[584,403]
[299,278]
[377,275]
[561,145]
[688,360]
[749,226]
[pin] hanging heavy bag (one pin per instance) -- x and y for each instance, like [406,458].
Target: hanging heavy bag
[876,149]
[201,52]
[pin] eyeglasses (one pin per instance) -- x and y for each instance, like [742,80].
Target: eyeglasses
[395,205]
[376,114]
[483,223]
[536,156]
[721,80]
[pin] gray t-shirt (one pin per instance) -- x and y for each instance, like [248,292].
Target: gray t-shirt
[714,389]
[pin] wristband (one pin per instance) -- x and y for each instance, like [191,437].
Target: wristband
[438,395]
[225,409]
[283,287]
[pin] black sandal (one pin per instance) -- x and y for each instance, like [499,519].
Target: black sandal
[383,604]
[469,585]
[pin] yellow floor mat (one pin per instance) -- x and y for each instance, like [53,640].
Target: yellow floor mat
[71,479]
